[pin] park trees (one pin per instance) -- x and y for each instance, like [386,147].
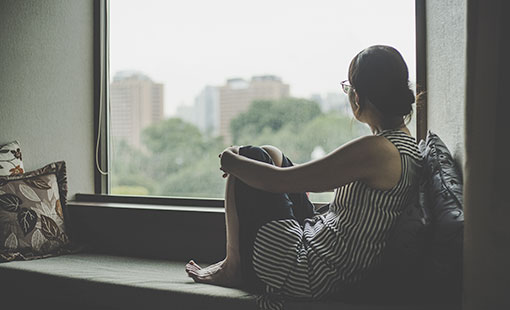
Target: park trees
[178,160]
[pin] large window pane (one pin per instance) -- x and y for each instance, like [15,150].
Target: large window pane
[192,77]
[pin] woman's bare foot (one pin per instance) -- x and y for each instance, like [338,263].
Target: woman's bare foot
[222,273]
[194,266]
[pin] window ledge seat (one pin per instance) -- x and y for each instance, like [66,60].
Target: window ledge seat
[98,281]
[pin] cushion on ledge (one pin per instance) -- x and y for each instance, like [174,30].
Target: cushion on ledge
[32,213]
[11,162]
[96,281]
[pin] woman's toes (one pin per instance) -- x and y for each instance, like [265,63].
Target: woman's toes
[194,274]
[192,271]
[192,266]
[192,262]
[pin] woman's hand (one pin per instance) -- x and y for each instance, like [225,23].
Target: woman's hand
[227,159]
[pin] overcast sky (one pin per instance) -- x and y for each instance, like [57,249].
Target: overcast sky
[187,45]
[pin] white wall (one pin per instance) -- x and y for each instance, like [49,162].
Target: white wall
[446,72]
[46,84]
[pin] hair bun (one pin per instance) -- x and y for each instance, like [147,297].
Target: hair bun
[395,102]
[403,102]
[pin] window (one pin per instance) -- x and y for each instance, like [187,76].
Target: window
[189,78]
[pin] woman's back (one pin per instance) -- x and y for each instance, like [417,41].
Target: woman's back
[367,215]
[338,248]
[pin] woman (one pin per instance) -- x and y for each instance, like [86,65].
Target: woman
[276,242]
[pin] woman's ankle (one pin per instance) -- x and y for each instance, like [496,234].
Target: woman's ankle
[232,261]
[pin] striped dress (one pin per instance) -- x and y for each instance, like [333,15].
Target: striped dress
[338,248]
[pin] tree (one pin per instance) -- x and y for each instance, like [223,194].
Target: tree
[296,126]
[202,179]
[178,160]
[174,144]
[180,133]
[272,115]
[127,171]
[327,131]
[183,162]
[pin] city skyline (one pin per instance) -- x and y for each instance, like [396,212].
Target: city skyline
[320,97]
[187,45]
[137,102]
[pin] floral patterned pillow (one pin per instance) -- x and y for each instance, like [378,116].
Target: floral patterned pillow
[10,159]
[32,214]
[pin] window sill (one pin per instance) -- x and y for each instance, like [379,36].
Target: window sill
[206,205]
[151,227]
[139,206]
[150,200]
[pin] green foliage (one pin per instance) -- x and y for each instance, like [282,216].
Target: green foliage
[174,130]
[174,145]
[178,160]
[271,116]
[128,167]
[202,179]
[298,139]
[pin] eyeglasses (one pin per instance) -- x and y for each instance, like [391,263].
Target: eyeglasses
[346,86]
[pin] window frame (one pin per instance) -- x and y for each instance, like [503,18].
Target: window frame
[101,104]
[102,152]
[421,68]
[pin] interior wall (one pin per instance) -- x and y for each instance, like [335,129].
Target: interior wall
[46,84]
[487,168]
[446,71]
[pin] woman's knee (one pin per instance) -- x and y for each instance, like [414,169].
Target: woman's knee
[266,153]
[275,154]
[256,153]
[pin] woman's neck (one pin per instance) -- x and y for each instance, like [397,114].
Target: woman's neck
[378,127]
[378,122]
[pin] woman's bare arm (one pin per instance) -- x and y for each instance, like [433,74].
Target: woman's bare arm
[370,159]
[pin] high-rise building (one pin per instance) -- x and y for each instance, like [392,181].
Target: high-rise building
[136,102]
[207,107]
[236,96]
[204,113]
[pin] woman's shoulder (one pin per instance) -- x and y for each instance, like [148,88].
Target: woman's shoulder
[376,145]
[403,141]
[370,150]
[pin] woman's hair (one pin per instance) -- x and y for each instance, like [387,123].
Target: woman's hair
[379,74]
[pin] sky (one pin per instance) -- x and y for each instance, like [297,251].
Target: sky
[187,45]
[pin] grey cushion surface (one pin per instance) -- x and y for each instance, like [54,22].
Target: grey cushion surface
[95,281]
[116,282]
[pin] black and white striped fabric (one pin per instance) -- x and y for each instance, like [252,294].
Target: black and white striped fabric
[338,248]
